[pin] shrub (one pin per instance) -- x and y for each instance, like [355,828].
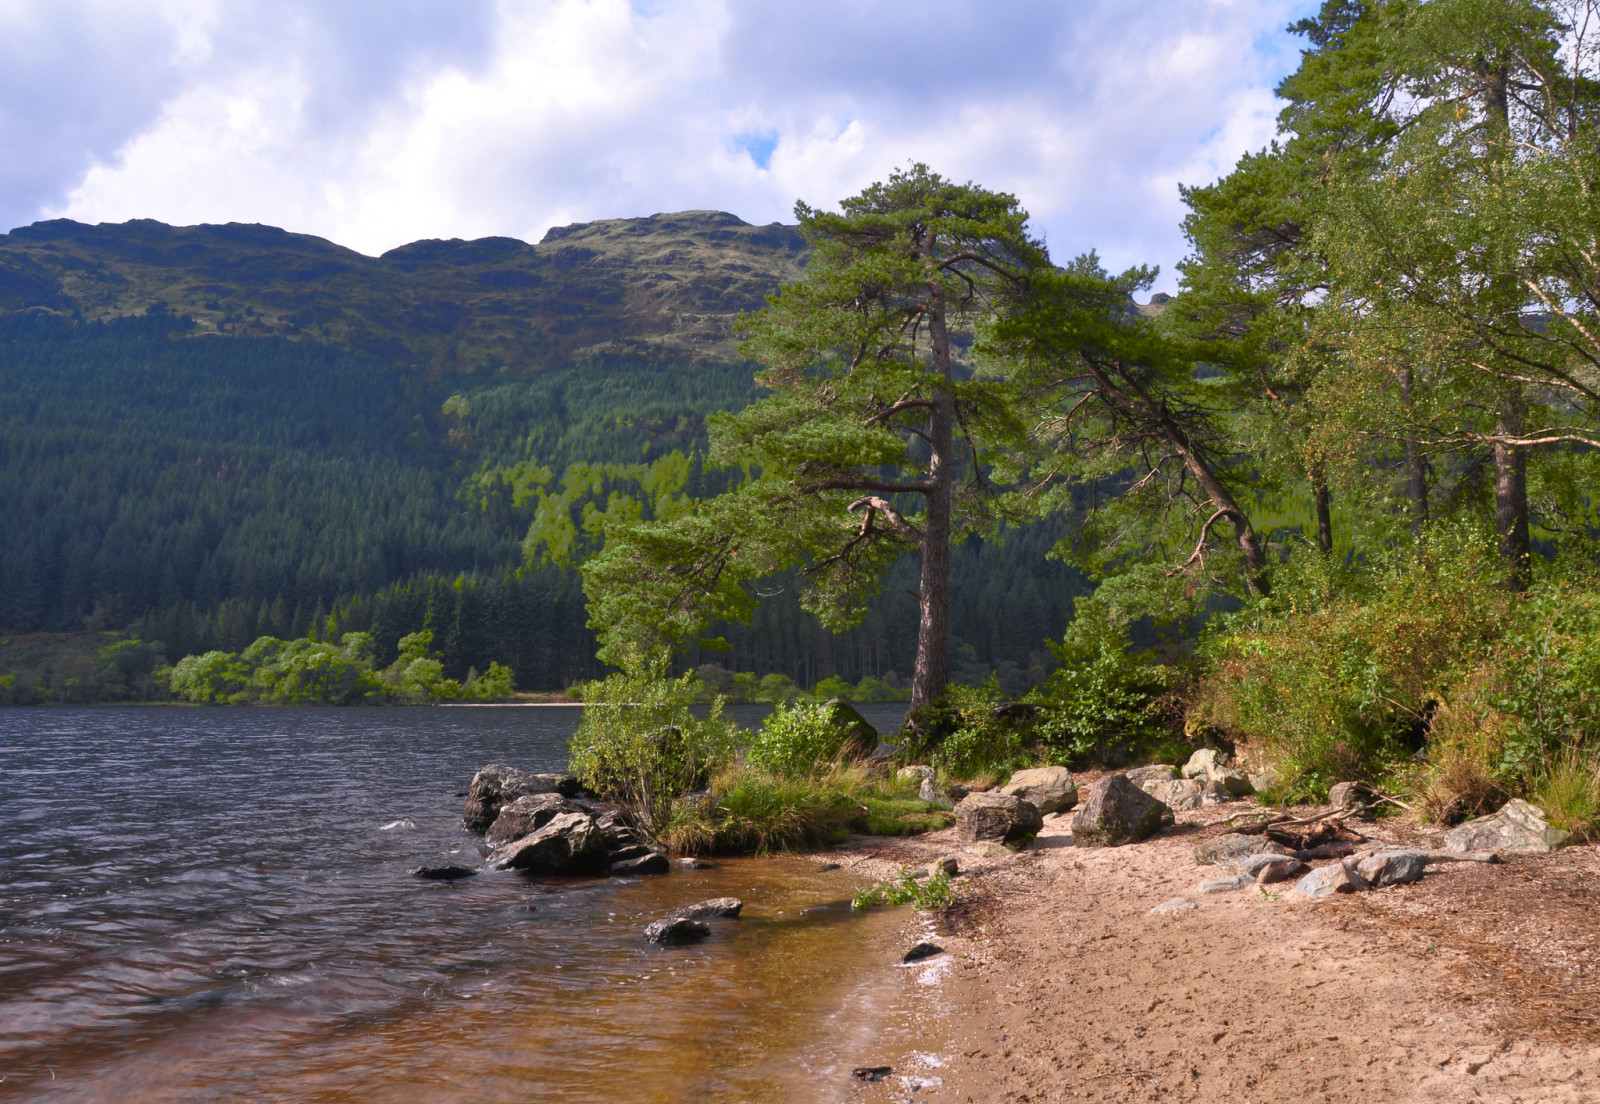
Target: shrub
[754,811]
[641,744]
[933,892]
[796,741]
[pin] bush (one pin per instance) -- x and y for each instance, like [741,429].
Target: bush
[796,741]
[932,892]
[641,744]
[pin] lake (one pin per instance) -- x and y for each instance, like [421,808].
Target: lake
[214,904]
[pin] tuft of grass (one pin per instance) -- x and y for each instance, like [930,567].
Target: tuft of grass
[933,892]
[1569,794]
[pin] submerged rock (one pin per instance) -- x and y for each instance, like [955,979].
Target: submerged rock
[997,817]
[650,862]
[1048,789]
[677,930]
[443,872]
[1518,826]
[1117,812]
[717,908]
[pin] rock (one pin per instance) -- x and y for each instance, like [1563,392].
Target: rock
[1234,846]
[1177,904]
[1349,795]
[497,785]
[906,774]
[1048,789]
[631,851]
[922,951]
[1160,772]
[717,908]
[525,815]
[1117,812]
[948,865]
[1224,883]
[860,738]
[569,843]
[1280,870]
[443,872]
[871,1073]
[652,862]
[958,791]
[934,794]
[1392,867]
[823,868]
[1235,781]
[1328,880]
[617,829]
[1518,826]
[1178,794]
[1202,763]
[689,862]
[677,930]
[996,817]
[1265,779]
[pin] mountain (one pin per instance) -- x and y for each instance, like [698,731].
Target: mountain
[667,287]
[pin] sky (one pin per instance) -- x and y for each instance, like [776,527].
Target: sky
[377,122]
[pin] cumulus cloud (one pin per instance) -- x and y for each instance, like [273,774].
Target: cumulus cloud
[378,122]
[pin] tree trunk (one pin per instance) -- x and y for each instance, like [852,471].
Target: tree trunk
[1319,490]
[1511,494]
[1416,473]
[932,671]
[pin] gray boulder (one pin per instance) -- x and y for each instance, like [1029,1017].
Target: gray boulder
[1235,781]
[1393,867]
[1177,794]
[1116,812]
[497,785]
[570,843]
[1325,881]
[1234,846]
[1048,789]
[1159,772]
[996,817]
[525,815]
[1254,864]
[1267,778]
[717,908]
[677,930]
[1210,765]
[1518,826]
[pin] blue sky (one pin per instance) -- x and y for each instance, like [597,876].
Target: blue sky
[377,122]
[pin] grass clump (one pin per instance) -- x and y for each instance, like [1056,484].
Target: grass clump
[933,892]
[1569,794]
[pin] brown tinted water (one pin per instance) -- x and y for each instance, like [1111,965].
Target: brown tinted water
[202,905]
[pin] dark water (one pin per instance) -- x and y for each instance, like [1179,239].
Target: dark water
[203,905]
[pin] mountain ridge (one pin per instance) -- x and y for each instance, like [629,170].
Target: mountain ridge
[666,287]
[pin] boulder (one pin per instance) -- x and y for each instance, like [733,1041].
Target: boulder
[629,851]
[1048,789]
[1177,904]
[525,815]
[1265,779]
[569,843]
[1117,812]
[1391,867]
[1178,794]
[1235,781]
[1518,826]
[677,930]
[1159,772]
[1225,883]
[717,908]
[1325,881]
[651,862]
[1202,763]
[934,794]
[1234,846]
[860,738]
[443,872]
[497,785]
[996,817]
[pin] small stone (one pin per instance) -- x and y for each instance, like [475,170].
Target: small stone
[1159,772]
[871,1073]
[922,951]
[652,862]
[443,872]
[958,791]
[1265,779]
[1225,883]
[1048,789]
[1388,868]
[1234,780]
[948,865]
[1518,826]
[1215,793]
[717,908]
[1177,904]
[1328,880]
[1350,795]
[677,930]
[1233,846]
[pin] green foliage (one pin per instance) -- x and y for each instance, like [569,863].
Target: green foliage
[80,667]
[796,741]
[642,744]
[932,892]
[754,811]
[964,734]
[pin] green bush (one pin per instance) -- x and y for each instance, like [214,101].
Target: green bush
[641,744]
[796,741]
[933,892]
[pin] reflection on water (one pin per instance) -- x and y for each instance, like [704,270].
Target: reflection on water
[214,904]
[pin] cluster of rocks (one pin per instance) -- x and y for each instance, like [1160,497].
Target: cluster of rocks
[1206,779]
[690,924]
[540,823]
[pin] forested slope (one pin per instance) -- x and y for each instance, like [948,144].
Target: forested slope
[204,475]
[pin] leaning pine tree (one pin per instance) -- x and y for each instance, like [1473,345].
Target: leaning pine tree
[874,441]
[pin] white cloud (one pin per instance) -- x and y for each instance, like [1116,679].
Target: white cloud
[375,122]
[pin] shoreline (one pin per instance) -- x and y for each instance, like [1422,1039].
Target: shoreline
[1057,985]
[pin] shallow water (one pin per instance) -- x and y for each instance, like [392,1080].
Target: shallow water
[214,904]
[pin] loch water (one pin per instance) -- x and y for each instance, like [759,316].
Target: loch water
[214,904]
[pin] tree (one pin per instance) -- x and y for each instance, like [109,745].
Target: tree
[874,440]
